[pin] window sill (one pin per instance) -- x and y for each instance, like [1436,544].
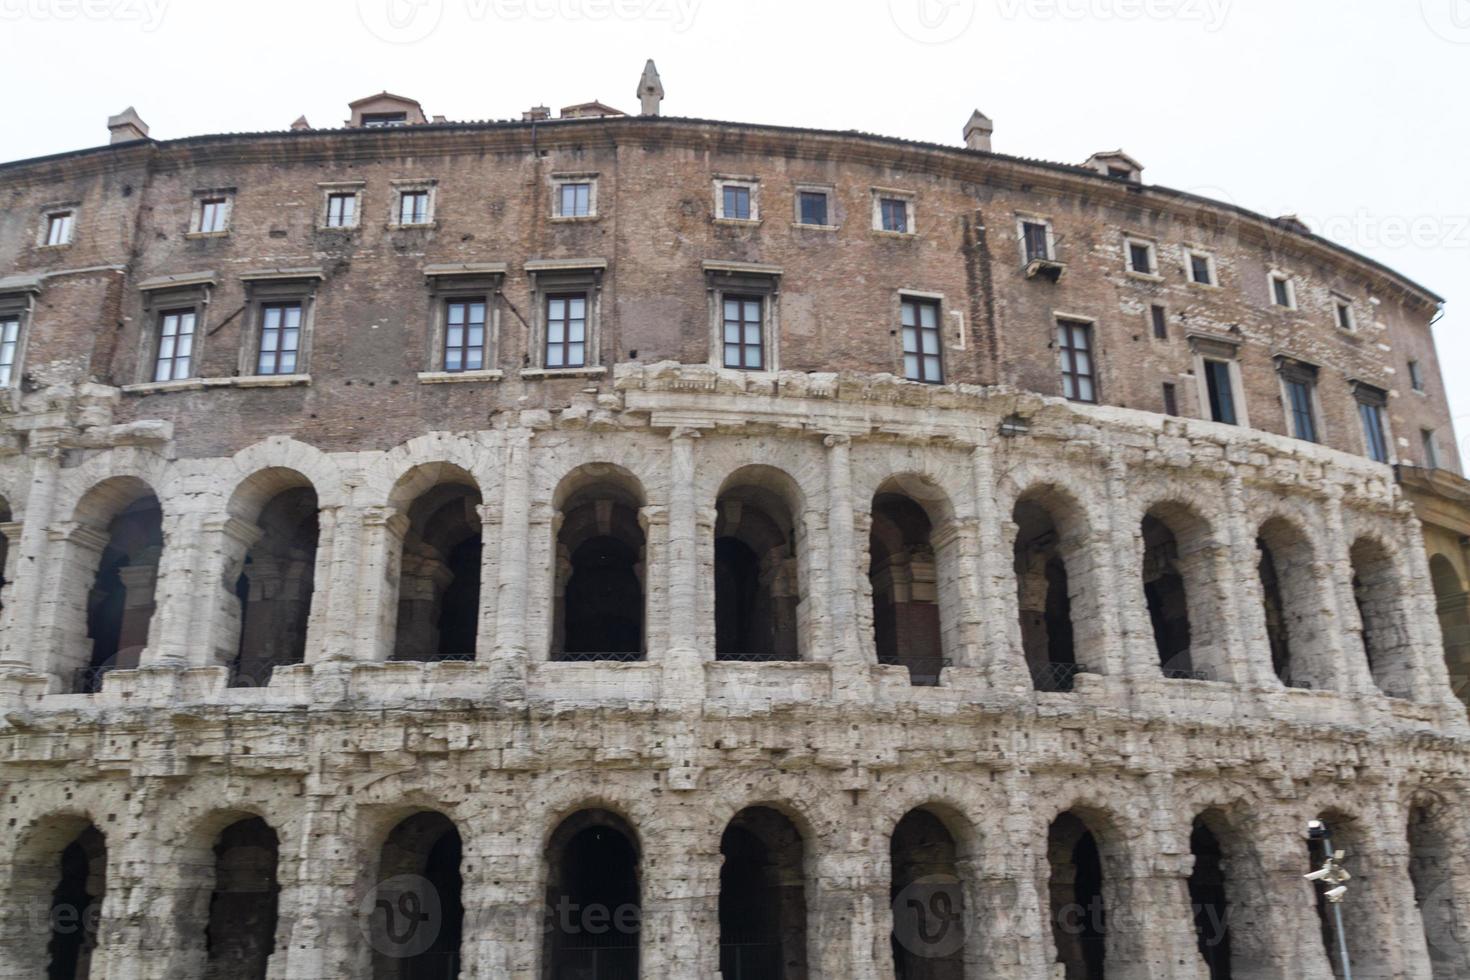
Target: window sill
[455,377]
[343,229]
[1214,286]
[43,247]
[200,384]
[900,235]
[207,234]
[575,219]
[806,227]
[738,222]
[1145,276]
[271,381]
[583,372]
[421,226]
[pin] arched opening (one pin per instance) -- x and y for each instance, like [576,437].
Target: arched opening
[439,580]
[241,934]
[76,906]
[275,587]
[1377,592]
[121,602]
[599,568]
[5,518]
[1044,590]
[762,898]
[927,895]
[1079,914]
[1208,895]
[594,914]
[418,916]
[1292,606]
[757,589]
[1453,605]
[1168,600]
[1432,863]
[1364,949]
[903,570]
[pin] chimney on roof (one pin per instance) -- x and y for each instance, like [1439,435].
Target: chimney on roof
[126,126]
[300,124]
[650,90]
[537,113]
[978,130]
[1295,223]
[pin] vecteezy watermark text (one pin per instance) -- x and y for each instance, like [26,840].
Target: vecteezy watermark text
[1209,13]
[148,14]
[410,21]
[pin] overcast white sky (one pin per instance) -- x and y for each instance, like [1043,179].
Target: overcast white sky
[1351,113]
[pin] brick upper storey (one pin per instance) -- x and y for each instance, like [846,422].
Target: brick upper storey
[654,257]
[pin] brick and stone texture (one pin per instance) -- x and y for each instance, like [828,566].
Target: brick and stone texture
[144,767]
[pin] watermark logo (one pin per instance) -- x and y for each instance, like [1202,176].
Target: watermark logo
[1210,14]
[402,916]
[1450,19]
[147,14]
[400,21]
[932,21]
[411,21]
[928,917]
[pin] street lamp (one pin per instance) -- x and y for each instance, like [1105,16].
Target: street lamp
[1335,877]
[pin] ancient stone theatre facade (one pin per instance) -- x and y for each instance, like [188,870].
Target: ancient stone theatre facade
[603,546]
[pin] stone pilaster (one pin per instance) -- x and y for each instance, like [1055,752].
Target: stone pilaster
[22,646]
[503,904]
[318,903]
[681,905]
[1343,646]
[1000,640]
[1120,576]
[376,610]
[847,912]
[683,676]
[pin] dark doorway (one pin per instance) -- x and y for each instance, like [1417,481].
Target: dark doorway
[439,583]
[76,907]
[418,919]
[599,598]
[1044,593]
[1168,602]
[928,900]
[592,901]
[275,588]
[121,603]
[904,579]
[762,898]
[1208,896]
[1079,918]
[241,934]
[1275,612]
[756,587]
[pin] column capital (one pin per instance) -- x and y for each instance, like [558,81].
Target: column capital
[836,439]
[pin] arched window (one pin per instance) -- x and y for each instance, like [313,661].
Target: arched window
[757,582]
[1079,913]
[1433,863]
[1377,593]
[241,933]
[1292,607]
[120,603]
[439,581]
[418,915]
[1453,604]
[911,614]
[593,907]
[1045,586]
[927,894]
[275,587]
[599,606]
[762,897]
[1180,584]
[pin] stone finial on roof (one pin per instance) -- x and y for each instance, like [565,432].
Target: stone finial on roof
[300,124]
[126,126]
[650,90]
[978,130]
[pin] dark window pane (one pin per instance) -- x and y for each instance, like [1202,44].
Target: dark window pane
[921,341]
[813,208]
[1160,321]
[1222,397]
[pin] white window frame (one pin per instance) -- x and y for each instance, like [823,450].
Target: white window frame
[827,191]
[1210,349]
[1152,273]
[561,180]
[1022,220]
[1212,270]
[344,188]
[751,184]
[16,307]
[264,290]
[226,195]
[745,279]
[1429,444]
[1341,304]
[401,187]
[68,212]
[552,276]
[1319,422]
[1275,276]
[448,284]
[911,215]
[1415,368]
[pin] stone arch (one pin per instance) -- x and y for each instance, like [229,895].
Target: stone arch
[439,528]
[759,588]
[57,891]
[1439,861]
[763,896]
[1349,833]
[1453,606]
[913,574]
[1379,589]
[593,871]
[932,875]
[315,467]
[600,575]
[1295,606]
[228,895]
[417,909]
[108,579]
[1182,579]
[1057,588]
[1085,865]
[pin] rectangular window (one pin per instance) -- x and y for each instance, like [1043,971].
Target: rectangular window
[566,330]
[1160,318]
[1345,319]
[893,214]
[1373,437]
[464,335]
[1201,269]
[1431,450]
[743,323]
[574,199]
[922,360]
[341,210]
[214,215]
[1221,391]
[58,227]
[1079,378]
[1141,258]
[9,348]
[1282,293]
[1416,375]
[413,207]
[384,120]
[1171,399]
[175,345]
[280,338]
[812,207]
[735,204]
[1299,400]
[1035,236]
